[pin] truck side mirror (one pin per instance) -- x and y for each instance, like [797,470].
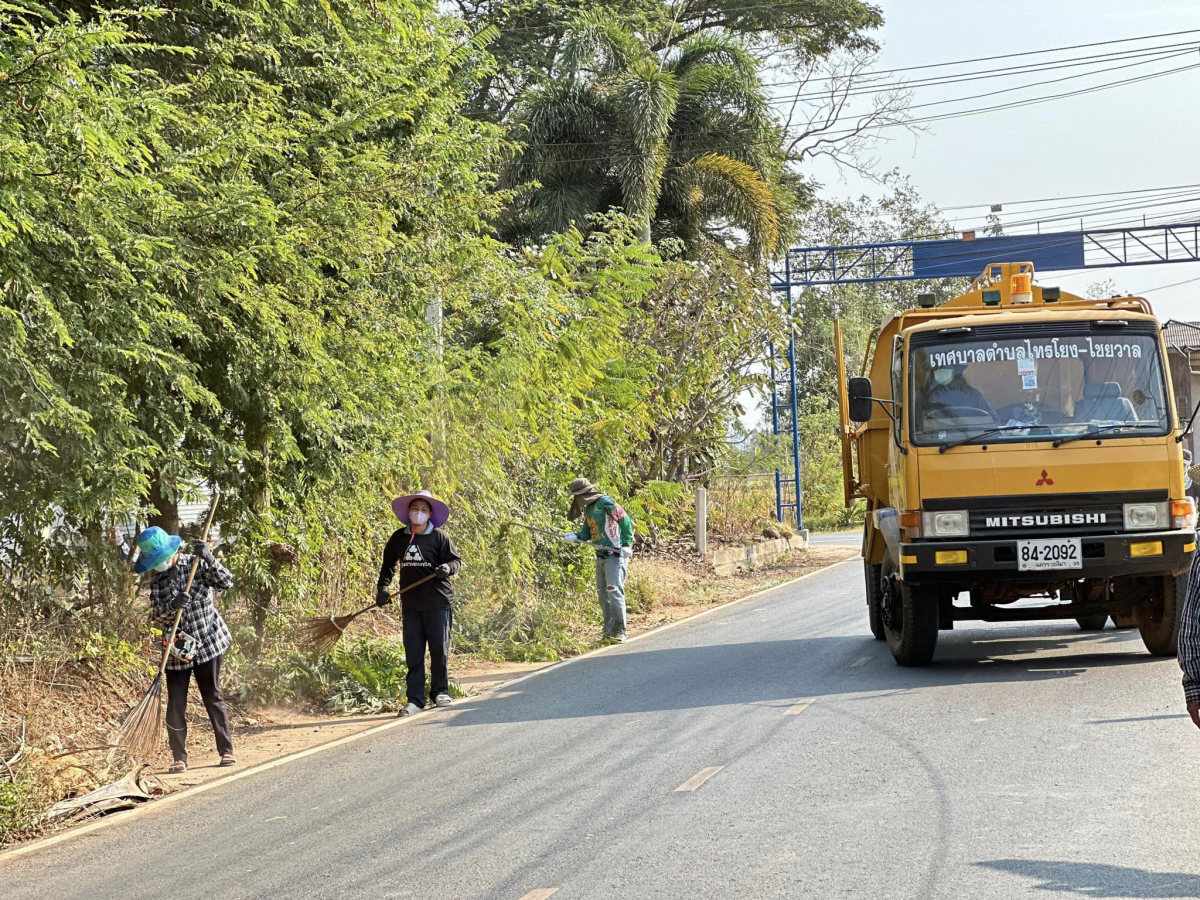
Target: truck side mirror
[858,391]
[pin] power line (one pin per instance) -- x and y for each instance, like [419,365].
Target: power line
[979,59]
[1172,187]
[782,101]
[1094,210]
[1163,287]
[869,87]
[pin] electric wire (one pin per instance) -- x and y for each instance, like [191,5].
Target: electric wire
[784,101]
[869,87]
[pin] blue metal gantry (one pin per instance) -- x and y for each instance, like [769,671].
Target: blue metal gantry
[966,256]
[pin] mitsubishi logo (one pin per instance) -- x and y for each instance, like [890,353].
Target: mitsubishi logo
[1045,479]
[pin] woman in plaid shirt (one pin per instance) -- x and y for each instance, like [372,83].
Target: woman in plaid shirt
[159,552]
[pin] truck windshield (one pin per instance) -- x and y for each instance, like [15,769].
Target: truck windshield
[1060,383]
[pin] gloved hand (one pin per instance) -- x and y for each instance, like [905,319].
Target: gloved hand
[382,597]
[626,553]
[444,569]
[202,550]
[180,600]
[570,537]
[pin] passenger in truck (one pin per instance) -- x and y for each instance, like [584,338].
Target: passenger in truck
[1102,402]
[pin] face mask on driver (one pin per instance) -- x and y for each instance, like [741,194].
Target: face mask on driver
[943,376]
[419,517]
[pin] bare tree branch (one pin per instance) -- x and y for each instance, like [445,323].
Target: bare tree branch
[822,122]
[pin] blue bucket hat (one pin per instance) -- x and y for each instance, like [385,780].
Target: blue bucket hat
[155,547]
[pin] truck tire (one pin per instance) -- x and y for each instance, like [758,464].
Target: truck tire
[910,622]
[1093,623]
[1158,617]
[872,574]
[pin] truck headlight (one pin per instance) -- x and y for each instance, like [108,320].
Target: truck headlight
[955,523]
[1145,516]
[1183,514]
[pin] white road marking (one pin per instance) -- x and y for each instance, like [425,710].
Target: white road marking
[798,708]
[862,661]
[699,778]
[539,894]
[276,818]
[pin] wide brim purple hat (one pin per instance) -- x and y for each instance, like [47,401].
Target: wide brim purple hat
[441,512]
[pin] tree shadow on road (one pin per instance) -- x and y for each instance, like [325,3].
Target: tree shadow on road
[643,678]
[1098,879]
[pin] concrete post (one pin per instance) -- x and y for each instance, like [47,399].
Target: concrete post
[701,521]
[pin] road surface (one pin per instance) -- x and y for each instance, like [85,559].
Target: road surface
[1028,761]
[836,539]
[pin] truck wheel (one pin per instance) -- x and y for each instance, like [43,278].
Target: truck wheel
[910,621]
[1158,616]
[1093,623]
[873,573]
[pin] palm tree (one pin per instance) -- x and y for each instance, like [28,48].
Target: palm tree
[684,143]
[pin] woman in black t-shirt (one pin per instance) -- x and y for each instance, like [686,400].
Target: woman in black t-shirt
[420,549]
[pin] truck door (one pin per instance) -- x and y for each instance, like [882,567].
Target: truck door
[895,461]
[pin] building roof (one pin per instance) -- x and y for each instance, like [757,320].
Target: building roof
[1182,335]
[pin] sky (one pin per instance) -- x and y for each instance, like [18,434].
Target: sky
[1137,136]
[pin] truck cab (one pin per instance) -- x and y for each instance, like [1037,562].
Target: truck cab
[1018,444]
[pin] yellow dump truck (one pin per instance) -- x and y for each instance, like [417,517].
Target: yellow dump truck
[1019,451]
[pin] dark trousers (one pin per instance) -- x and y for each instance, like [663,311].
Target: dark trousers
[421,629]
[208,678]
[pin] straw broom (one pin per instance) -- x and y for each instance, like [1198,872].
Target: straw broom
[142,726]
[320,634]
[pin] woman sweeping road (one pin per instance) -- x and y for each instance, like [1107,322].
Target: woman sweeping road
[202,640]
[420,549]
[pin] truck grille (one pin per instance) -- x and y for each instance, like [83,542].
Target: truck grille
[1014,521]
[1030,516]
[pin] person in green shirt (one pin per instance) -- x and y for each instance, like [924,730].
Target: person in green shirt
[608,528]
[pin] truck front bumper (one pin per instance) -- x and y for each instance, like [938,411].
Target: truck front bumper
[1104,556]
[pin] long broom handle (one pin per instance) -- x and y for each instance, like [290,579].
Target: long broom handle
[398,593]
[554,534]
[212,510]
[557,534]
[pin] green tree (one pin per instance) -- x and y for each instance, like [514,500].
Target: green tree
[533,33]
[683,142]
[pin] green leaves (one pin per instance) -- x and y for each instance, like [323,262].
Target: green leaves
[681,141]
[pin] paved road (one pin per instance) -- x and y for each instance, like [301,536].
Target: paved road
[1028,761]
[836,539]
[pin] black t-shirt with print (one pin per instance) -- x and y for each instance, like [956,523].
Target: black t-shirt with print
[417,556]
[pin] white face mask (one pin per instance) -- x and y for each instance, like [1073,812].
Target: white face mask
[163,566]
[419,517]
[943,376]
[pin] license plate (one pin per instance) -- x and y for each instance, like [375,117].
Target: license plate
[1056,553]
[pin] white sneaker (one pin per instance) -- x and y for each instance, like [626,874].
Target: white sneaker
[411,710]
[442,700]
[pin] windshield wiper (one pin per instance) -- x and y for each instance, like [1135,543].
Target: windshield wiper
[1101,430]
[950,445]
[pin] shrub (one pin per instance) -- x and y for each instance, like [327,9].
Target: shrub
[641,593]
[362,676]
